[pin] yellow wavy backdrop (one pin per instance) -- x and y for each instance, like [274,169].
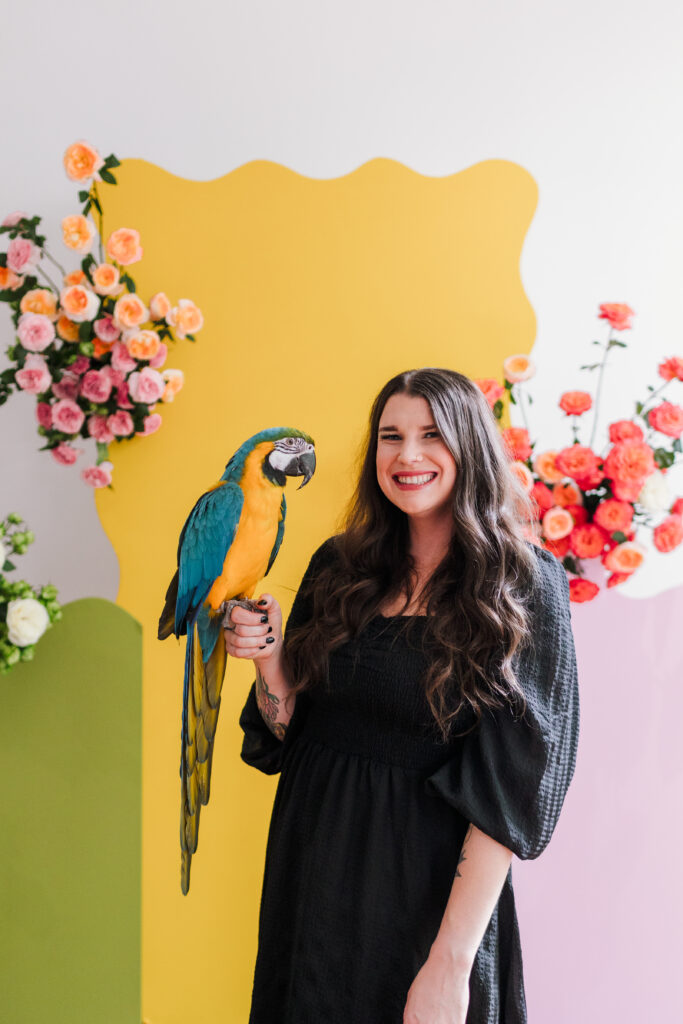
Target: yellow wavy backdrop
[314,293]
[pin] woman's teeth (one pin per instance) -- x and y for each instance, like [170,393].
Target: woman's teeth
[416,481]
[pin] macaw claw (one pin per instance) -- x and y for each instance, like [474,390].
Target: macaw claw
[227,607]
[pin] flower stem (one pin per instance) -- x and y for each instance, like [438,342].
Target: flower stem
[39,270]
[597,391]
[101,217]
[652,395]
[520,396]
[51,258]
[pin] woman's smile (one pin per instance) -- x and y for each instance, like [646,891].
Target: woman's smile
[413,481]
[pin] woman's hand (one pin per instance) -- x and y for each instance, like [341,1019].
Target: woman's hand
[255,635]
[440,993]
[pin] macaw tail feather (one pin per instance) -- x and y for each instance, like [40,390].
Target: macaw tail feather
[201,704]
[167,618]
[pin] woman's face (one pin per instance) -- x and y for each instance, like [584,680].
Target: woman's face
[415,469]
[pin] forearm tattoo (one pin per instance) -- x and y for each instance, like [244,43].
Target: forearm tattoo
[462,856]
[268,705]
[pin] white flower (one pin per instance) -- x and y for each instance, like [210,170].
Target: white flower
[655,495]
[27,620]
[3,555]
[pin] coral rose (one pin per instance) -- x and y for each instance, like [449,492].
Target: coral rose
[671,368]
[557,523]
[587,540]
[79,303]
[120,358]
[668,535]
[36,332]
[490,388]
[34,377]
[23,256]
[186,318]
[65,454]
[613,515]
[677,507]
[626,491]
[516,441]
[146,386]
[558,548]
[667,419]
[44,416]
[159,306]
[40,300]
[576,461]
[82,161]
[67,329]
[78,233]
[105,279]
[67,416]
[581,590]
[150,424]
[75,277]
[578,513]
[175,379]
[592,480]
[521,471]
[575,402]
[142,344]
[567,494]
[625,430]
[615,578]
[543,496]
[9,281]
[545,467]
[98,476]
[106,330]
[123,246]
[617,314]
[518,368]
[97,428]
[625,558]
[96,386]
[630,462]
[130,311]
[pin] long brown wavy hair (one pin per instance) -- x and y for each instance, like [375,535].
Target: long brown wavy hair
[476,599]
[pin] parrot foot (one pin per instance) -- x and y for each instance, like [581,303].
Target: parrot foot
[227,607]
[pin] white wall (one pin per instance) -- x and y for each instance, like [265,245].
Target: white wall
[586,96]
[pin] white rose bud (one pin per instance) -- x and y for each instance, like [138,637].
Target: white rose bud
[27,620]
[655,495]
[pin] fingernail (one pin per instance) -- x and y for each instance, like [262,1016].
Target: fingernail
[270,639]
[262,647]
[270,629]
[264,618]
[262,601]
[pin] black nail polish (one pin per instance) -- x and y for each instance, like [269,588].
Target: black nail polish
[262,647]
[270,629]
[264,618]
[262,601]
[270,639]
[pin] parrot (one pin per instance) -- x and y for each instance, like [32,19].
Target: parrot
[228,543]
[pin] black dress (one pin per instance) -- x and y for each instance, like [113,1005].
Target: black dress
[371,810]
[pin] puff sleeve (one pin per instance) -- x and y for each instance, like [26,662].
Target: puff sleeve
[509,776]
[260,748]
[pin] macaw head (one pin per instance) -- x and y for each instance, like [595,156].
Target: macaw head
[285,452]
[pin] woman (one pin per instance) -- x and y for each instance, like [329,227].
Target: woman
[423,712]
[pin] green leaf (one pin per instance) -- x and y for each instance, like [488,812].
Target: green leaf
[86,208]
[85,331]
[677,446]
[107,176]
[102,452]
[128,281]
[619,536]
[111,161]
[190,337]
[8,566]
[83,196]
[639,407]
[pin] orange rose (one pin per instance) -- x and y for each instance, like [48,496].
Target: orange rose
[9,281]
[40,300]
[82,161]
[517,442]
[100,348]
[613,515]
[106,279]
[557,523]
[174,382]
[667,418]
[575,402]
[78,233]
[186,318]
[130,311]
[567,494]
[123,246]
[624,558]
[545,467]
[669,534]
[671,368]
[618,315]
[587,540]
[79,303]
[629,462]
[576,461]
[159,306]
[581,590]
[625,430]
[518,368]
[143,344]
[67,329]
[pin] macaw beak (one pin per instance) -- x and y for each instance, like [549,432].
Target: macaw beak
[303,465]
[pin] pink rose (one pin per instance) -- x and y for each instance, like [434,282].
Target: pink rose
[44,414]
[35,376]
[67,416]
[96,386]
[120,424]
[146,386]
[121,359]
[97,428]
[65,454]
[97,476]
[122,396]
[22,256]
[12,219]
[151,424]
[80,366]
[66,386]
[106,330]
[36,331]
[160,357]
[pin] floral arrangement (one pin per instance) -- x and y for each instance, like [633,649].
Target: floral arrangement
[25,612]
[591,504]
[87,346]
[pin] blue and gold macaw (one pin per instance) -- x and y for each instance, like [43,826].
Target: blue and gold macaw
[228,543]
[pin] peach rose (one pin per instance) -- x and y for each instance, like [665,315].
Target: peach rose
[671,368]
[82,161]
[186,318]
[79,303]
[40,300]
[574,403]
[159,306]
[78,233]
[67,329]
[105,279]
[76,277]
[98,476]
[567,494]
[516,440]
[518,368]
[613,515]
[142,344]
[130,311]
[557,523]
[625,430]
[668,535]
[625,558]
[667,418]
[576,461]
[545,467]
[174,381]
[520,470]
[9,281]
[617,314]
[581,590]
[123,246]
[629,462]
